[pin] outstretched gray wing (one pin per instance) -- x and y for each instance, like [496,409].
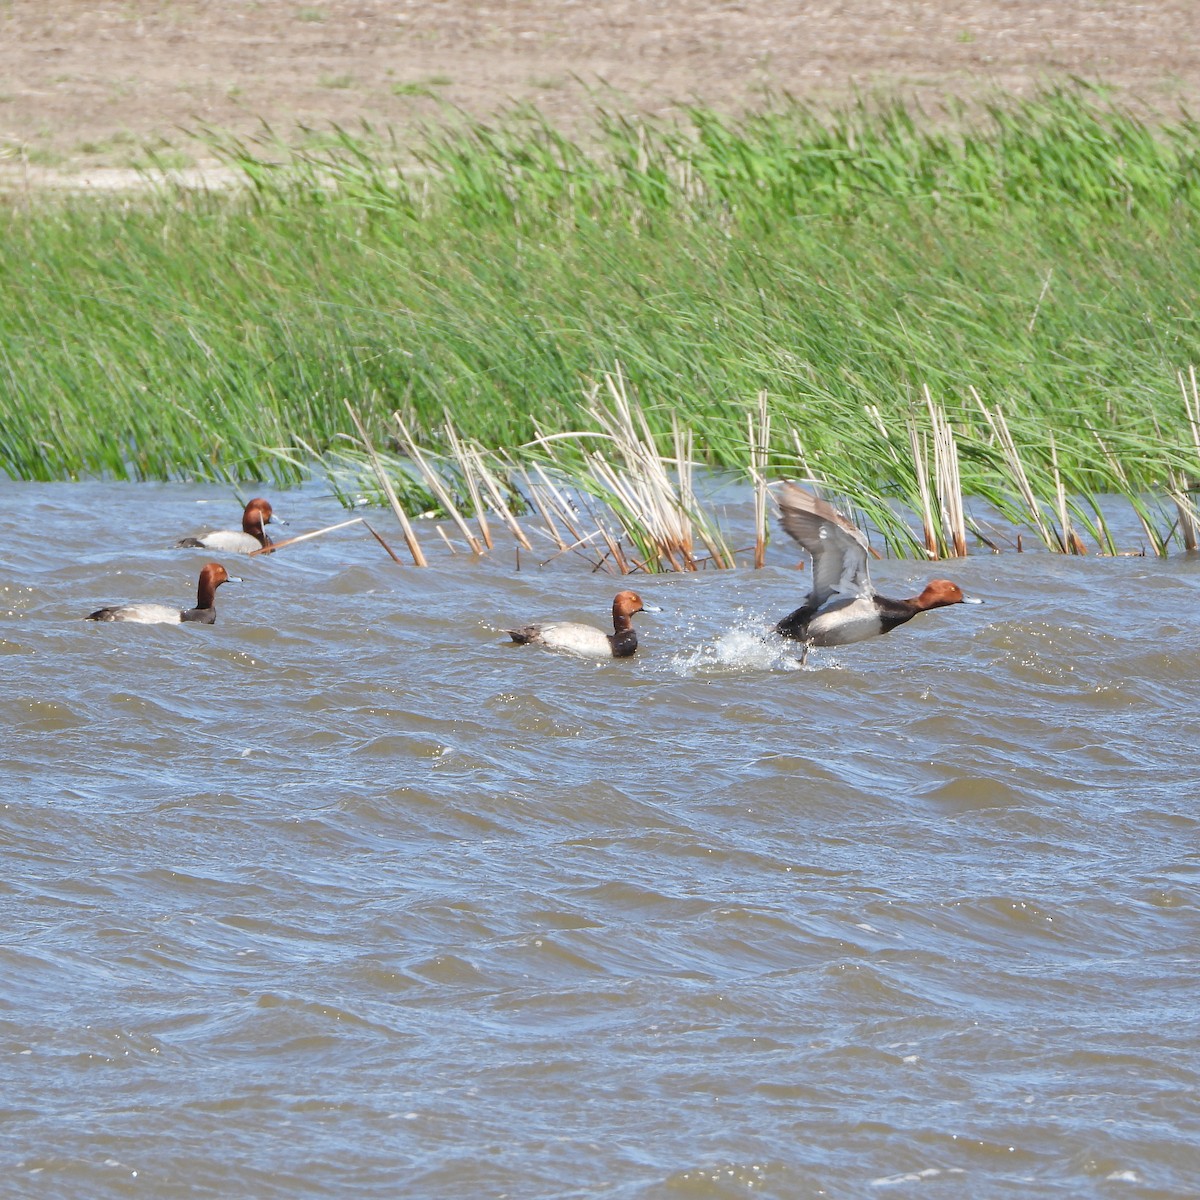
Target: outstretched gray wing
[838,548]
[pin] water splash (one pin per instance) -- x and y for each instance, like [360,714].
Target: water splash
[746,647]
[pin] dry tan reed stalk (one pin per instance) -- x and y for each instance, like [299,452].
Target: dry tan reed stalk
[1041,296]
[684,443]
[374,533]
[550,499]
[999,428]
[640,493]
[1070,540]
[496,498]
[645,489]
[917,441]
[1192,404]
[465,466]
[304,537]
[574,546]
[410,538]
[876,419]
[435,483]
[449,543]
[759,443]
[947,479]
[635,500]
[655,510]
[535,499]
[1189,519]
[569,515]
[1060,495]
[1152,535]
[806,471]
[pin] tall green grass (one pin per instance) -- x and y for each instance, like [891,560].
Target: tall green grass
[1041,253]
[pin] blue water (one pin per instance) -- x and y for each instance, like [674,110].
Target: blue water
[346,895]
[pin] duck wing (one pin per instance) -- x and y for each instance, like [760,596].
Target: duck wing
[837,547]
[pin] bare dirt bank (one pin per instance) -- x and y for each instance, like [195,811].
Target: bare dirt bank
[88,85]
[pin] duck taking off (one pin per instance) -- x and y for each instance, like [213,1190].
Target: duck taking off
[842,606]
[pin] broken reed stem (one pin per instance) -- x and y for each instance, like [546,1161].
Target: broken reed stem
[564,549]
[1192,404]
[645,488]
[1041,296]
[1070,540]
[552,502]
[947,479]
[651,518]
[436,485]
[1189,519]
[496,496]
[683,501]
[464,464]
[658,514]
[1060,495]
[759,442]
[372,531]
[1156,540]
[806,471]
[999,427]
[535,498]
[414,547]
[917,442]
[304,537]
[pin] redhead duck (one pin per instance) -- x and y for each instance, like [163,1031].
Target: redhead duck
[587,639]
[253,535]
[212,575]
[842,606]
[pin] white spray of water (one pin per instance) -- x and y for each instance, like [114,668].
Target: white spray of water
[747,647]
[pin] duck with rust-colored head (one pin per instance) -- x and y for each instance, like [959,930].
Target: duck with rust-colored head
[257,515]
[842,606]
[587,640]
[212,575]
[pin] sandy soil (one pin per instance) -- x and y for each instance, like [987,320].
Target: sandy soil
[87,84]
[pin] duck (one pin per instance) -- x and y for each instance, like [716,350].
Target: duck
[588,640]
[252,536]
[212,575]
[842,606]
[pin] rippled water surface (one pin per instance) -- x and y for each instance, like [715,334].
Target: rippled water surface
[345,896]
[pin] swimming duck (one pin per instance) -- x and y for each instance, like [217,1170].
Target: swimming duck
[587,639]
[212,575]
[842,606]
[253,534]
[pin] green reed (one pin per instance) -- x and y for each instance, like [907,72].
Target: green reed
[1040,252]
